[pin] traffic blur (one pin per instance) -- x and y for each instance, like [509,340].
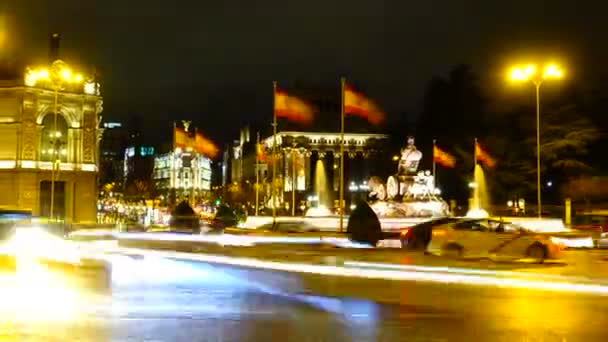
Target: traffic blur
[491,238]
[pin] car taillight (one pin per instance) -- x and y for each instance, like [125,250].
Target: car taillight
[405,231]
[439,232]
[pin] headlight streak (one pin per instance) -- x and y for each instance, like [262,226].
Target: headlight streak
[400,275]
[445,269]
[573,242]
[240,240]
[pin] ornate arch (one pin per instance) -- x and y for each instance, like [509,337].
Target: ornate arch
[70,115]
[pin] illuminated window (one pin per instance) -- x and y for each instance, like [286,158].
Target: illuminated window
[53,144]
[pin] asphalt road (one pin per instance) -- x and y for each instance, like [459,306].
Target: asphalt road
[162,300]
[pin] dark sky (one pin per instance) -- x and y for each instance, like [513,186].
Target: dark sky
[213,61]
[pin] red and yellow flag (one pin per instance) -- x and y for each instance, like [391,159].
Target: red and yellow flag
[292,108]
[181,138]
[483,157]
[443,158]
[356,103]
[260,153]
[197,142]
[205,146]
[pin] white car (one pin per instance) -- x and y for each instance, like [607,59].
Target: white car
[603,241]
[490,238]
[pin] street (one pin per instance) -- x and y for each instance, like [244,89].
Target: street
[157,299]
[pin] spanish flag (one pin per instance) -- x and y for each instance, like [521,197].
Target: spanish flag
[482,156]
[260,154]
[205,146]
[181,138]
[356,103]
[443,158]
[292,108]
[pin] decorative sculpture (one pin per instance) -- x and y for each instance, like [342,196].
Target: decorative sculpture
[409,193]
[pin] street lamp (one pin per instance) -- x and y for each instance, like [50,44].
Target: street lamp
[58,76]
[529,73]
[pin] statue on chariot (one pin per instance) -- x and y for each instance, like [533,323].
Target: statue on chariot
[408,193]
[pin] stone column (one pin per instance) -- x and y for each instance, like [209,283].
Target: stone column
[29,136]
[307,171]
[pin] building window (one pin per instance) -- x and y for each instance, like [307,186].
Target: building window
[53,145]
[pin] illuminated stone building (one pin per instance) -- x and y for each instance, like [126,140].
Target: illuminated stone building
[183,172]
[300,151]
[31,139]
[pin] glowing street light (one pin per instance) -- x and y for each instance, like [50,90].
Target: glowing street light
[57,76]
[529,73]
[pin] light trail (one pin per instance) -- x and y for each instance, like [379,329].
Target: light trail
[460,270]
[399,275]
[240,240]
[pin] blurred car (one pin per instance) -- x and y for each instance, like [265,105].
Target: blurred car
[9,219]
[491,238]
[418,236]
[594,221]
[602,242]
[287,227]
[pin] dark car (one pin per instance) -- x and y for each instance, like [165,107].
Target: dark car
[418,236]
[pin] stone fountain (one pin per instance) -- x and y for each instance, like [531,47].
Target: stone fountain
[409,193]
[321,199]
[480,198]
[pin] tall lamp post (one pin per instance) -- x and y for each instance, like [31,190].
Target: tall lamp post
[58,76]
[529,73]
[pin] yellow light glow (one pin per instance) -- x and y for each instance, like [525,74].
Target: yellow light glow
[66,74]
[43,74]
[530,70]
[529,73]
[553,71]
[517,74]
[78,78]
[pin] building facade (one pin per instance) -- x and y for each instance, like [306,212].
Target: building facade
[308,161]
[112,154]
[138,165]
[39,149]
[182,175]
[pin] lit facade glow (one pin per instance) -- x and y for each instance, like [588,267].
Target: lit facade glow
[182,173]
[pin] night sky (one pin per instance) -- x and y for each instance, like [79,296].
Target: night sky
[213,61]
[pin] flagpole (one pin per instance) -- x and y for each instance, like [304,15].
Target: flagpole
[341,204]
[476,189]
[174,127]
[434,164]
[293,182]
[257,175]
[274,149]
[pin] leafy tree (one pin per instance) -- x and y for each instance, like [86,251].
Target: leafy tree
[566,135]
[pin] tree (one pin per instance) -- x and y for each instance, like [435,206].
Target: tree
[566,134]
[139,189]
[454,113]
